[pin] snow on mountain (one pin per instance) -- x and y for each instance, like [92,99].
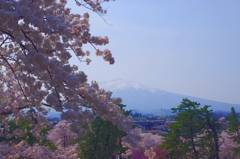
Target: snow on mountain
[120,84]
[154,100]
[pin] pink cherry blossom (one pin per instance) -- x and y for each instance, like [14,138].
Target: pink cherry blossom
[38,40]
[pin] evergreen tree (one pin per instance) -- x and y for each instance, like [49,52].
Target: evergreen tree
[189,124]
[105,140]
[195,134]
[210,138]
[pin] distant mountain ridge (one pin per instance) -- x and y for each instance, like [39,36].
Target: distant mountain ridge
[154,100]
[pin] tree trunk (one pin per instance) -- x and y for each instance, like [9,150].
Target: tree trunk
[212,126]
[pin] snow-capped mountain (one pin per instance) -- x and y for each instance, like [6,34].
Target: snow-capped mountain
[119,84]
[154,100]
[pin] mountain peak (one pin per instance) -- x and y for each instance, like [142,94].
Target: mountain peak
[120,84]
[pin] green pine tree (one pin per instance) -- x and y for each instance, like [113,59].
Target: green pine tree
[189,124]
[194,132]
[210,140]
[105,142]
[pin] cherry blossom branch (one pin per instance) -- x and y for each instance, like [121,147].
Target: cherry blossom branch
[7,112]
[59,100]
[4,41]
[25,34]
[9,34]
[20,86]
[97,12]
[74,52]
[12,36]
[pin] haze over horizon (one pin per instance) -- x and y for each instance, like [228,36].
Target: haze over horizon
[185,47]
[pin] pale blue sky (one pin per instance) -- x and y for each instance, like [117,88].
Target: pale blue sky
[181,46]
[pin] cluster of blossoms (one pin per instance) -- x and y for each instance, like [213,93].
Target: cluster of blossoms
[147,147]
[152,153]
[227,145]
[37,40]
[62,135]
[37,152]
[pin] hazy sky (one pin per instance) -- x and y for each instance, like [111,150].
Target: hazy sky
[181,46]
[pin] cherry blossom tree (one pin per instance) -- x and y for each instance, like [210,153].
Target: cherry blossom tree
[61,134]
[228,146]
[148,147]
[37,40]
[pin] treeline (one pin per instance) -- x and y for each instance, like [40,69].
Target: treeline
[197,134]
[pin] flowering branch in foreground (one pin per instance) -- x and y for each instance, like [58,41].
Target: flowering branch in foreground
[38,38]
